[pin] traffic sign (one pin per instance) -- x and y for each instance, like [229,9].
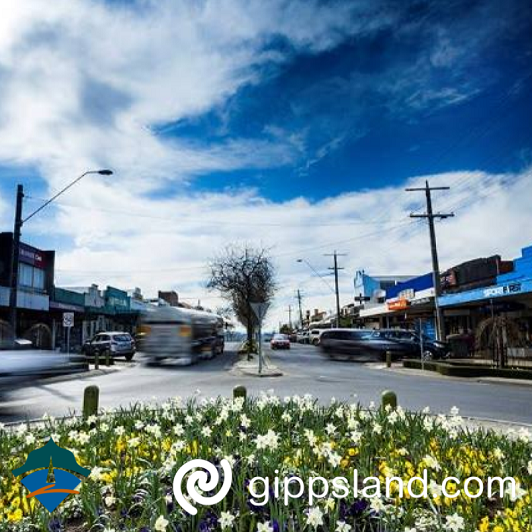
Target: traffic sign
[260,310]
[68,319]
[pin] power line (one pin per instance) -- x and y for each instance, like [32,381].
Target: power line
[206,221]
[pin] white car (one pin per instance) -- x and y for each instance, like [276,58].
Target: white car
[314,336]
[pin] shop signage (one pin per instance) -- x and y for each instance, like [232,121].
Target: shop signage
[399,304]
[507,289]
[408,293]
[421,301]
[32,256]
[65,306]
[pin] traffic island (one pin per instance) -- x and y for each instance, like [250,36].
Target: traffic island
[251,369]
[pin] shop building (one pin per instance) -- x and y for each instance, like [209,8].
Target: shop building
[499,309]
[35,285]
[408,305]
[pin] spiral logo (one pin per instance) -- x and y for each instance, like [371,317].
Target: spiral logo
[201,469]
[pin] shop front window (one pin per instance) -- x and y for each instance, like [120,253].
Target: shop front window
[30,277]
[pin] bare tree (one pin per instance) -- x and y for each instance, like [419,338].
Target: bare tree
[243,275]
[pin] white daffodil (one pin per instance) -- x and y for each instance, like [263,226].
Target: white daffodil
[226,520]
[315,517]
[342,526]
[454,522]
[161,524]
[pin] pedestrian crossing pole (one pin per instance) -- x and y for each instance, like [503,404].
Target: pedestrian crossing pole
[430,216]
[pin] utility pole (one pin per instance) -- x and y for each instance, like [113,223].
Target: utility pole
[299,298]
[290,316]
[430,216]
[337,290]
[15,255]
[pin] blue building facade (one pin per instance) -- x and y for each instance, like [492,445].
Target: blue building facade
[516,284]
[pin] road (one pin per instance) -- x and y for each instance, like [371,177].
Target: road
[305,371]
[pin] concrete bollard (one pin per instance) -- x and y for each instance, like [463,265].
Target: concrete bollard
[239,391]
[389,398]
[91,397]
[388,359]
[108,360]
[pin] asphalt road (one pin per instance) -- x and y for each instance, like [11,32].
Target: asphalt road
[305,371]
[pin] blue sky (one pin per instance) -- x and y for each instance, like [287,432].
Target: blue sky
[293,124]
[358,124]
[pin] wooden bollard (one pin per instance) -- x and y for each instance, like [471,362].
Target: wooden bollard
[389,398]
[91,397]
[96,360]
[388,359]
[239,391]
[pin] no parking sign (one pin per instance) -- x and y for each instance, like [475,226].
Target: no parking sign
[68,319]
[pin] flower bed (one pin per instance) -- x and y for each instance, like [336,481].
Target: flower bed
[134,454]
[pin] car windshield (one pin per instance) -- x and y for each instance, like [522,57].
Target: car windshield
[280,337]
[121,338]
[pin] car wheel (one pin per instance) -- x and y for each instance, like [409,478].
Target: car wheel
[129,357]
[428,355]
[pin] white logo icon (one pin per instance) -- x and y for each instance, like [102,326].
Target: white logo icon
[201,478]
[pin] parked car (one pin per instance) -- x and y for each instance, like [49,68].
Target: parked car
[314,336]
[118,344]
[410,343]
[303,337]
[280,341]
[372,345]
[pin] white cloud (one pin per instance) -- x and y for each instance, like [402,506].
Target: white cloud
[85,85]
[122,239]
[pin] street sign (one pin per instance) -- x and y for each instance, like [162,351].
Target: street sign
[68,319]
[260,310]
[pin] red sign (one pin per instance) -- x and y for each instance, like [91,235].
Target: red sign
[399,304]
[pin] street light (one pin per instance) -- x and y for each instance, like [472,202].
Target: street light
[15,251]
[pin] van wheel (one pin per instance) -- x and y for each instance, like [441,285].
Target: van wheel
[129,357]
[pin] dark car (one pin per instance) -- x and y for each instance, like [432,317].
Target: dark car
[372,345]
[353,344]
[410,344]
[116,343]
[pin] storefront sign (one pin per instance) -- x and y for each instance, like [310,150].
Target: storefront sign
[399,304]
[421,301]
[507,289]
[31,255]
[408,293]
[66,306]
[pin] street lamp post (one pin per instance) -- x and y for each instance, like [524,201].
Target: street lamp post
[15,248]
